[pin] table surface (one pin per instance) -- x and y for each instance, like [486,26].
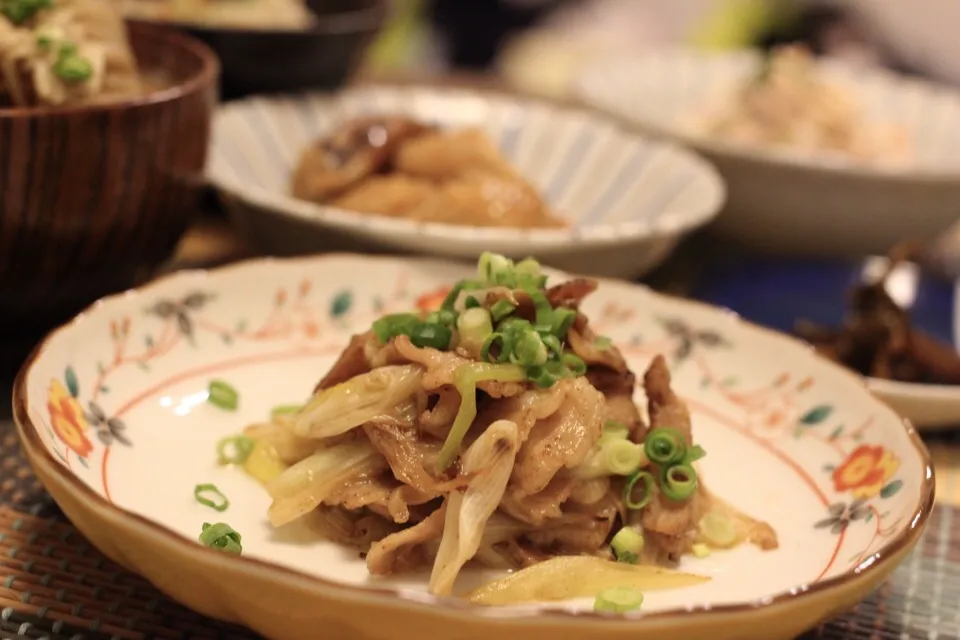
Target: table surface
[55,585]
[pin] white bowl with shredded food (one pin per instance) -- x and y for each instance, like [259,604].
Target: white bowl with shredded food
[819,157]
[318,443]
[623,201]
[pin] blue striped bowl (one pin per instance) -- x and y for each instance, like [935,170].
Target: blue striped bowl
[787,201]
[628,200]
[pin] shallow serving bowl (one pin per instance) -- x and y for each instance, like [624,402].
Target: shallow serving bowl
[113,416]
[93,198]
[780,200]
[628,200]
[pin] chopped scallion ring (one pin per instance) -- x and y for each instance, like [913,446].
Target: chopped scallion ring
[220,536]
[678,482]
[694,453]
[620,457]
[285,410]
[627,545]
[234,450]
[221,394]
[618,600]
[647,484]
[501,309]
[664,446]
[575,364]
[218,502]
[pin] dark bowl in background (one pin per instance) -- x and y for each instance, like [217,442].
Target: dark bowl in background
[320,58]
[94,198]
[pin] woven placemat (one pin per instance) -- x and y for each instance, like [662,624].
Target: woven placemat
[56,585]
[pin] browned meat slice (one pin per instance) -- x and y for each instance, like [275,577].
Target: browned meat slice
[571,293]
[405,548]
[441,365]
[670,525]
[541,507]
[578,530]
[362,490]
[523,410]
[411,458]
[618,388]
[562,440]
[352,362]
[355,150]
[583,342]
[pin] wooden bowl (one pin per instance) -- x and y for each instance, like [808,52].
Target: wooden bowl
[94,198]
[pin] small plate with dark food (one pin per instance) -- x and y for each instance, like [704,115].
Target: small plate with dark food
[885,317]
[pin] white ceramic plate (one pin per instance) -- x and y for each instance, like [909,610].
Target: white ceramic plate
[113,413]
[628,200]
[781,200]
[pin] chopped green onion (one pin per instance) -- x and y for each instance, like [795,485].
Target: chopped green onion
[436,336]
[694,453]
[562,320]
[678,482]
[221,394]
[541,377]
[494,340]
[575,364]
[664,446]
[552,343]
[219,501]
[603,343]
[19,11]
[234,450]
[450,300]
[542,307]
[493,268]
[44,41]
[529,350]
[285,410]
[474,326]
[465,379]
[220,536]
[620,457]
[393,325]
[471,302]
[501,309]
[645,479]
[627,545]
[615,428]
[718,530]
[73,68]
[618,600]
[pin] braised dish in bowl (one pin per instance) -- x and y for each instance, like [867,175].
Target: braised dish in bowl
[105,133]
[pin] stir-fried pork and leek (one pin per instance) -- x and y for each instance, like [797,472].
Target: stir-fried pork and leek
[790,104]
[501,430]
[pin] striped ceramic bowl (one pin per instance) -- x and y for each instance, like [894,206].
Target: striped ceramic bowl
[628,200]
[786,201]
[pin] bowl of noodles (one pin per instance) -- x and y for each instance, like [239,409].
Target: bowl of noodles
[819,157]
[104,137]
[391,447]
[268,46]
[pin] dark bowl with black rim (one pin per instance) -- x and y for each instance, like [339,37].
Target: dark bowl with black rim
[320,57]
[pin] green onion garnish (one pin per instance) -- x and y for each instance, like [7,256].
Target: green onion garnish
[73,68]
[494,340]
[618,600]
[223,395]
[664,446]
[220,536]
[627,545]
[603,343]
[529,350]
[465,379]
[541,376]
[450,300]
[615,428]
[219,501]
[471,302]
[575,364]
[234,450]
[285,410]
[393,325]
[620,457]
[647,484]
[474,326]
[562,321]
[501,309]
[19,11]
[694,453]
[678,482]
[436,336]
